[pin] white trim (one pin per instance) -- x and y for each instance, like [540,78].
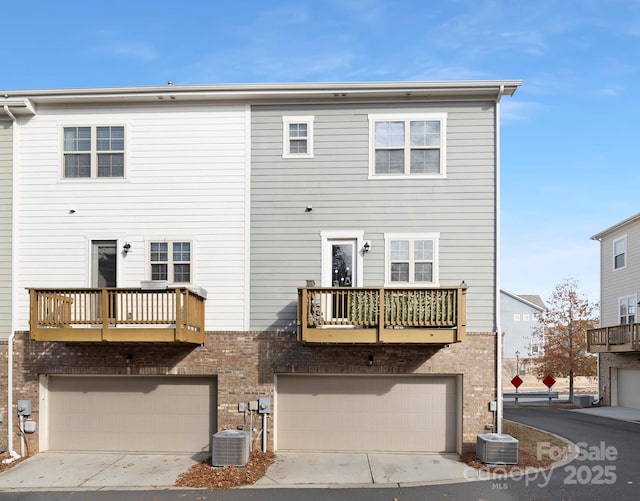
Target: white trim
[331,235]
[170,262]
[613,251]
[434,236]
[247,219]
[286,121]
[93,152]
[43,412]
[441,117]
[629,300]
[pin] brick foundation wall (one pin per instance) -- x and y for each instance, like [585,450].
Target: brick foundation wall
[3,392]
[244,364]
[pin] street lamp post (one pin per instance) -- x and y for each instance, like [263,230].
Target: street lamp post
[517,363]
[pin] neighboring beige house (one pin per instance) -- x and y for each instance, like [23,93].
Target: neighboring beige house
[181,250]
[617,341]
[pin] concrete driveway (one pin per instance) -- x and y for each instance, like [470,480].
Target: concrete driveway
[320,469]
[104,471]
[96,471]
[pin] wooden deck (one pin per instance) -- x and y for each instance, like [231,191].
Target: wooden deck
[173,315]
[622,338]
[329,315]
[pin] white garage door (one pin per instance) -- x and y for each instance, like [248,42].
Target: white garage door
[366,413]
[131,414]
[629,388]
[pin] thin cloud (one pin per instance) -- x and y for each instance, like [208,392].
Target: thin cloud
[139,51]
[515,110]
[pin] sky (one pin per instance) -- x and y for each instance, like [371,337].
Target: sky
[569,164]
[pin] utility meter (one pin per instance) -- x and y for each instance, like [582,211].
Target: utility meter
[264,405]
[24,407]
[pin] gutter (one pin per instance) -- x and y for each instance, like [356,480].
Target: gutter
[14,455]
[499,347]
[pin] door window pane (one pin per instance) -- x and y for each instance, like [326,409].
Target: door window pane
[342,265]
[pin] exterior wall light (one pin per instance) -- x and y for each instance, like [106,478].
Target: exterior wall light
[366,247]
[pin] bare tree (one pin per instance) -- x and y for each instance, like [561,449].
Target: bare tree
[563,326]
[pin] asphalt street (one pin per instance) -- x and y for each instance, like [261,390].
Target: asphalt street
[607,468]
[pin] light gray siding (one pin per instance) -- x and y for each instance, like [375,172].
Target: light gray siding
[286,241]
[6,202]
[518,329]
[622,282]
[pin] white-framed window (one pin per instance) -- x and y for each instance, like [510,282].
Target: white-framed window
[516,317]
[407,144]
[297,137]
[525,317]
[620,253]
[93,152]
[411,258]
[627,309]
[171,260]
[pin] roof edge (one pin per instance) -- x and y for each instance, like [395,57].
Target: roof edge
[521,299]
[271,90]
[617,226]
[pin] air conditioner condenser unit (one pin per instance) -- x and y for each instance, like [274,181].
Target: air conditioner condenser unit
[497,448]
[230,448]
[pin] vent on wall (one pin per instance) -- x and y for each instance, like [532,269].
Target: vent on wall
[497,448]
[230,448]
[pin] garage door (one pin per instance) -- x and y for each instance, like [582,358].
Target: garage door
[628,384]
[136,414]
[366,413]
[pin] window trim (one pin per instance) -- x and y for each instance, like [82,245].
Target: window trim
[389,237]
[407,117]
[286,139]
[170,262]
[633,300]
[623,238]
[327,237]
[93,152]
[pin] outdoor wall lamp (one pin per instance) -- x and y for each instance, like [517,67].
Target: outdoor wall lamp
[366,247]
[370,360]
[126,248]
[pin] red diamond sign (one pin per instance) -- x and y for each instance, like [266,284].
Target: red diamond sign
[549,381]
[517,381]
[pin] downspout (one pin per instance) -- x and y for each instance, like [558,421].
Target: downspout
[14,455]
[499,347]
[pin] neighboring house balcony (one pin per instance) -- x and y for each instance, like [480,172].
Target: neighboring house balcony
[332,315]
[174,315]
[615,339]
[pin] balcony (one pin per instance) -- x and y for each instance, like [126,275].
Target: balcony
[329,315]
[615,339]
[117,315]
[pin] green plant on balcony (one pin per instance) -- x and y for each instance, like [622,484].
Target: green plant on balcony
[419,309]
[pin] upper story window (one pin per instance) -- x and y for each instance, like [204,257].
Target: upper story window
[91,152]
[411,259]
[170,261]
[627,309]
[297,137]
[407,145]
[516,317]
[525,317]
[620,253]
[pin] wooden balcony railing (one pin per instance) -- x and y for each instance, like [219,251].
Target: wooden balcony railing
[116,315]
[615,339]
[382,315]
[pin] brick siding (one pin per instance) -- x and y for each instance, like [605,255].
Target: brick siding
[244,364]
